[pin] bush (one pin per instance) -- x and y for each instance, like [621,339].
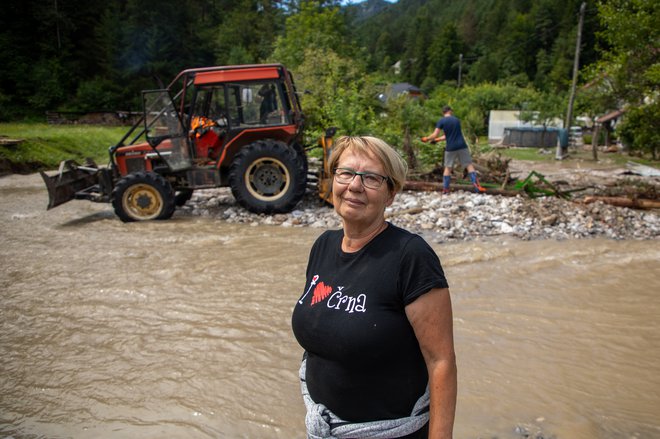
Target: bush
[639,129]
[97,94]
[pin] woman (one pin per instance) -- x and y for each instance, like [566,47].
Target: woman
[375,318]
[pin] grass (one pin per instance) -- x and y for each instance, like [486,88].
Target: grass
[45,146]
[548,155]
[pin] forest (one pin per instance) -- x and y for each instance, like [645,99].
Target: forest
[477,55]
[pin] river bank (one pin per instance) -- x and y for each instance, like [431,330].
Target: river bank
[466,216]
[457,216]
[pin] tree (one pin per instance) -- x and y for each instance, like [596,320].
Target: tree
[247,30]
[543,109]
[630,68]
[418,40]
[632,60]
[314,26]
[335,92]
[443,54]
[637,130]
[404,120]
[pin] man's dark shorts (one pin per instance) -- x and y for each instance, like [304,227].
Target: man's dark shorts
[463,155]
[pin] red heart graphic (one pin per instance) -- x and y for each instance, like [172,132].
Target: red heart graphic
[321,292]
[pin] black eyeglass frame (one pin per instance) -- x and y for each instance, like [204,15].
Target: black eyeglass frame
[362,174]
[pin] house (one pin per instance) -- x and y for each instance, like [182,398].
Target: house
[606,122]
[398,89]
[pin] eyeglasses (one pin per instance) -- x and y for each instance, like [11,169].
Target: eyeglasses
[369,179]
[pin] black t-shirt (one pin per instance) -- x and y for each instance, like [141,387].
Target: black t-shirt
[363,359]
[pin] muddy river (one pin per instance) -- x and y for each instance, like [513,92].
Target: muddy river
[181,329]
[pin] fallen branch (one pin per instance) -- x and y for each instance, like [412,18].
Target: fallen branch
[635,203]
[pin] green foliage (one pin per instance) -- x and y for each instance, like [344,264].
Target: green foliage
[246,33]
[50,79]
[632,33]
[629,72]
[335,93]
[473,104]
[98,94]
[316,27]
[639,129]
[5,111]
[544,108]
[414,63]
[401,124]
[443,53]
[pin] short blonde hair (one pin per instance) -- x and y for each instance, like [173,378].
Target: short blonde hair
[395,167]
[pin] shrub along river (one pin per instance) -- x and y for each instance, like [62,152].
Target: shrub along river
[182,329]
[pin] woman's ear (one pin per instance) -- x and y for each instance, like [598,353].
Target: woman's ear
[390,198]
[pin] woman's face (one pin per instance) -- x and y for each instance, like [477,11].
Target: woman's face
[358,205]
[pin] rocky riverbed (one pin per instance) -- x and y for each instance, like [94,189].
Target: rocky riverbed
[458,216]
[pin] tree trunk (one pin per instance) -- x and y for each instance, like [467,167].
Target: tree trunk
[408,148]
[624,202]
[594,141]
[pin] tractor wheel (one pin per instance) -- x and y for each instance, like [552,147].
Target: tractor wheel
[268,177]
[143,196]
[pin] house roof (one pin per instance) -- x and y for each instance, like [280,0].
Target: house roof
[402,87]
[610,116]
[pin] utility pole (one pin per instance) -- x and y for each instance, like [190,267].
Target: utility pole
[57,27]
[460,68]
[576,69]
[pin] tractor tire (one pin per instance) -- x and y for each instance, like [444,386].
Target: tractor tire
[143,196]
[268,177]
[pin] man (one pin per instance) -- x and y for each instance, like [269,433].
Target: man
[457,148]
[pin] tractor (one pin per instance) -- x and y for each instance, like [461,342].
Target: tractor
[237,126]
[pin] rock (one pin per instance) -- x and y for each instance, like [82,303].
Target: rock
[550,220]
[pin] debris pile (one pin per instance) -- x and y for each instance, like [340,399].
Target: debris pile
[458,216]
[520,203]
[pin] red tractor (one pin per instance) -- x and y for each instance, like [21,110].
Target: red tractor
[236,126]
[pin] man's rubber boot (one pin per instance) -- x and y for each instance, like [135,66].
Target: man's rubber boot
[446,180]
[477,187]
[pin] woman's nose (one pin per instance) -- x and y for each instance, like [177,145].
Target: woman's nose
[356,184]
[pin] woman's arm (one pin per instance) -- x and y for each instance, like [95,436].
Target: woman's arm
[431,317]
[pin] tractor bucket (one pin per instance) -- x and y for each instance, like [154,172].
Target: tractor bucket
[70,179]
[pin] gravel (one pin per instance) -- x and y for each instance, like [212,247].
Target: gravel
[458,216]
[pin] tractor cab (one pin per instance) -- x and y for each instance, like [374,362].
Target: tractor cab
[222,111]
[216,112]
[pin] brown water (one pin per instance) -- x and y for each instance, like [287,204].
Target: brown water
[181,329]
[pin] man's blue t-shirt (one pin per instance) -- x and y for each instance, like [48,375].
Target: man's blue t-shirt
[451,126]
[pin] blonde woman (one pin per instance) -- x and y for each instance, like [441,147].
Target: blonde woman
[375,315]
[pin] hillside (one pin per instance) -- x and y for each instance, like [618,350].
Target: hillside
[499,39]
